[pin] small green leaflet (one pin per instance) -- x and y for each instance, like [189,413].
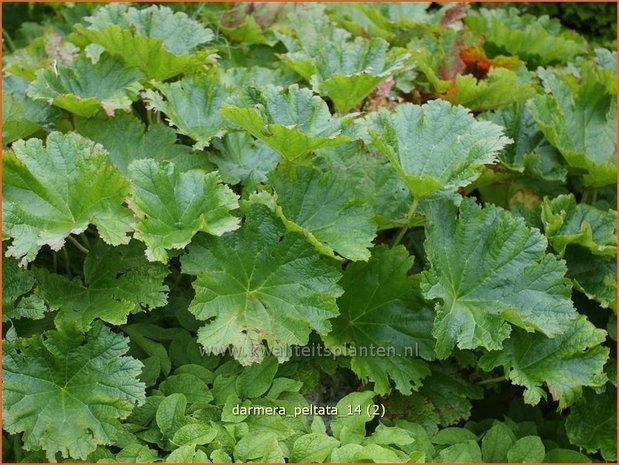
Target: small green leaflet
[192,105]
[52,191]
[314,447]
[382,308]
[349,428]
[496,442]
[565,363]
[262,446]
[173,206]
[526,449]
[255,380]
[85,88]
[258,285]
[170,416]
[294,122]
[323,208]
[489,269]
[53,391]
[435,146]
[117,281]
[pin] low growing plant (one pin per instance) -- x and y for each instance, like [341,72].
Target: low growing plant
[304,232]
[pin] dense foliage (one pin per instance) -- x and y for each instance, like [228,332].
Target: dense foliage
[597,22]
[307,232]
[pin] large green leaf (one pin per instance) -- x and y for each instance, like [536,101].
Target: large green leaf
[85,88]
[173,206]
[501,87]
[592,422]
[15,124]
[257,285]
[579,117]
[18,298]
[248,26]
[45,48]
[347,72]
[439,60]
[240,158]
[384,322]
[435,146]
[160,42]
[294,122]
[66,392]
[322,207]
[127,139]
[180,34]
[192,105]
[22,116]
[606,59]
[594,275]
[565,363]
[117,281]
[52,191]
[539,40]
[374,180]
[531,153]
[567,222]
[586,237]
[392,21]
[308,30]
[145,53]
[443,400]
[489,269]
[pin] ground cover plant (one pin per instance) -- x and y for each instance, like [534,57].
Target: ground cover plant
[308,233]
